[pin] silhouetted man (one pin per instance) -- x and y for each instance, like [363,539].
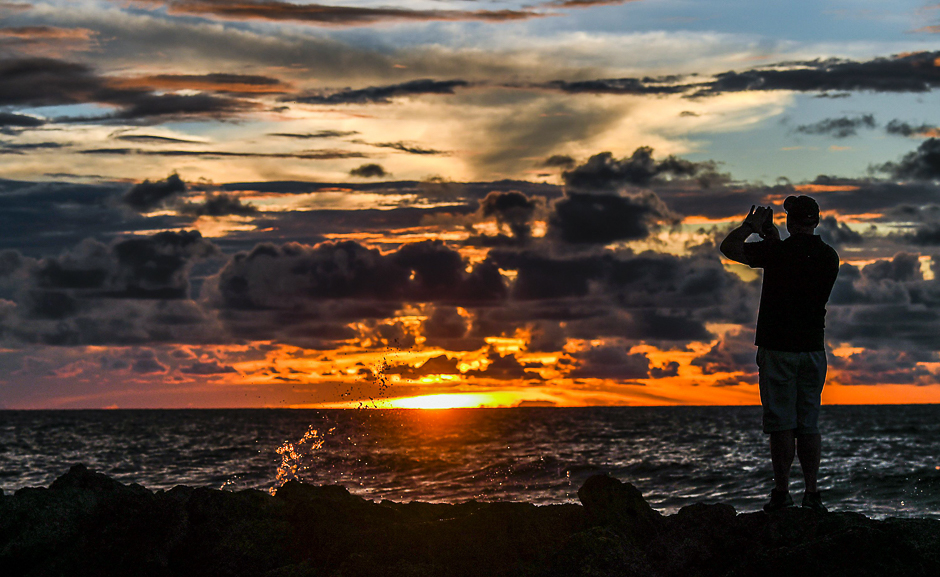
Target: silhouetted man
[791,355]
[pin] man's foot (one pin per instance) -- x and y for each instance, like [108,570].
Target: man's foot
[814,502]
[779,500]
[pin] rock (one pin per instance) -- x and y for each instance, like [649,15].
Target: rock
[619,505]
[86,523]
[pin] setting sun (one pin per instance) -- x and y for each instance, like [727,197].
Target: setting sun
[454,401]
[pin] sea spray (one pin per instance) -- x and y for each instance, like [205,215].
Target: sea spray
[297,457]
[294,461]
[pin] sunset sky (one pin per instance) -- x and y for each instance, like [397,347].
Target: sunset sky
[209,203]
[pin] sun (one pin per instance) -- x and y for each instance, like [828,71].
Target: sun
[453,401]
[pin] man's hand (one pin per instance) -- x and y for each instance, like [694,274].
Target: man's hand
[759,220]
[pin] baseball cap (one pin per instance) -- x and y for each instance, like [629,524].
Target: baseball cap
[803,208]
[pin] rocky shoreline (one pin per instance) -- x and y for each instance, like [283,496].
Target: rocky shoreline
[86,523]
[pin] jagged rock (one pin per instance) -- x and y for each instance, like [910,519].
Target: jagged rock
[619,505]
[88,524]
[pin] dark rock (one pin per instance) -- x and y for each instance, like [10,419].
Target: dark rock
[619,505]
[88,524]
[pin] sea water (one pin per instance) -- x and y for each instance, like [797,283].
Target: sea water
[878,460]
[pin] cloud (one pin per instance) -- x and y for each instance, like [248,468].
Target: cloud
[603,218]
[513,209]
[734,352]
[385,94]
[20,120]
[410,149]
[903,73]
[50,82]
[213,82]
[503,367]
[218,204]
[926,235]
[146,362]
[317,134]
[291,275]
[369,171]
[905,129]
[321,154]
[150,138]
[559,160]
[838,127]
[921,164]
[327,15]
[837,233]
[636,86]
[147,195]
[604,172]
[46,40]
[146,267]
[210,367]
[610,362]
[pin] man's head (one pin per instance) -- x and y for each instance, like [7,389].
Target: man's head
[802,214]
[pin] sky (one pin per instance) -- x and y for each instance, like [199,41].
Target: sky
[438,203]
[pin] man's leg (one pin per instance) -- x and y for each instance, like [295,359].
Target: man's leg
[782,450]
[809,448]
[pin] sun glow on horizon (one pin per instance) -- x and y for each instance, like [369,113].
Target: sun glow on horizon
[455,401]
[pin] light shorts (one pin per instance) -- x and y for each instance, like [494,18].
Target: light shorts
[790,387]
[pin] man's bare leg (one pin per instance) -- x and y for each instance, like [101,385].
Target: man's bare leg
[809,448]
[782,450]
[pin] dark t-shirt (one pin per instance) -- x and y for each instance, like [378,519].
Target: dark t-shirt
[798,276]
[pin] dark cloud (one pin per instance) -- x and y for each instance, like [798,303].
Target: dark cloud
[330,15]
[326,154]
[559,160]
[670,369]
[503,367]
[368,171]
[837,233]
[314,135]
[385,94]
[734,352]
[926,235]
[439,365]
[839,127]
[50,82]
[921,164]
[145,267]
[74,211]
[219,204]
[604,172]
[279,277]
[602,218]
[22,148]
[903,73]
[610,362]
[513,209]
[20,120]
[883,366]
[150,138]
[214,82]
[210,367]
[645,86]
[409,148]
[148,195]
[146,362]
[905,129]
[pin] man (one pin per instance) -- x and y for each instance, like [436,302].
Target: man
[791,356]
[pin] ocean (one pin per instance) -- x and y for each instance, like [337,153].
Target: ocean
[882,461]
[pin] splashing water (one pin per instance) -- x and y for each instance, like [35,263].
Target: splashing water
[292,454]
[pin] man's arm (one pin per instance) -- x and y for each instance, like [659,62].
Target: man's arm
[733,245]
